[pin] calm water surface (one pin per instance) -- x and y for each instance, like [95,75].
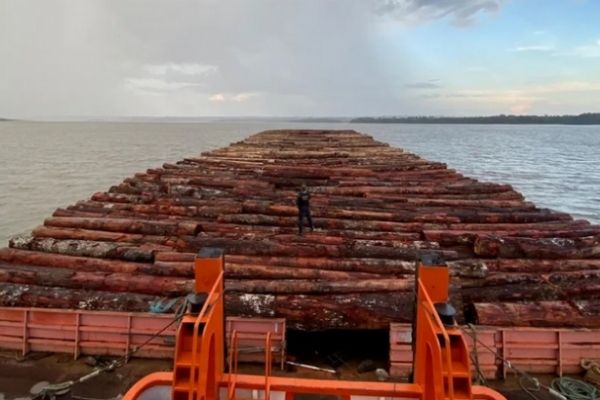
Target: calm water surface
[48,165]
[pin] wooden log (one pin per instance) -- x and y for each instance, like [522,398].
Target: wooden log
[562,285]
[451,237]
[367,265]
[539,265]
[247,271]
[104,281]
[21,295]
[85,248]
[172,242]
[304,286]
[267,231]
[341,311]
[272,248]
[147,227]
[539,226]
[540,314]
[25,257]
[326,223]
[174,256]
[553,248]
[123,198]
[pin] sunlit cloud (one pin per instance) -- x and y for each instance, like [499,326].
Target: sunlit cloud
[217,98]
[520,100]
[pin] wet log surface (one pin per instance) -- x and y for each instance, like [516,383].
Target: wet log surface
[375,209]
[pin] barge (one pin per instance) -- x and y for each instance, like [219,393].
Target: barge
[123,253]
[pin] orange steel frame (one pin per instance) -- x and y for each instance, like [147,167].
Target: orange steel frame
[441,366]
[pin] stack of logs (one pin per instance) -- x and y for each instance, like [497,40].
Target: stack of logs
[375,209]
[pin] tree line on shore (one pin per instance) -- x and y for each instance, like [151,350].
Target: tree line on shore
[581,119]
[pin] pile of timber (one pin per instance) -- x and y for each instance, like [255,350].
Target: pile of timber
[375,209]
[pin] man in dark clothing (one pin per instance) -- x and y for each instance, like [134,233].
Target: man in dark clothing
[303,203]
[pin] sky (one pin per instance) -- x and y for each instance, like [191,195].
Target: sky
[183,58]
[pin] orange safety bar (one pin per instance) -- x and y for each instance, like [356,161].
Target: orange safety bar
[441,366]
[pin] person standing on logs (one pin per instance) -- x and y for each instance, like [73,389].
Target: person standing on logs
[303,203]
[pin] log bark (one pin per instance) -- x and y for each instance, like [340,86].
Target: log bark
[539,314]
[146,227]
[172,242]
[451,237]
[274,272]
[343,311]
[103,281]
[368,265]
[305,286]
[272,248]
[25,257]
[553,248]
[85,248]
[20,295]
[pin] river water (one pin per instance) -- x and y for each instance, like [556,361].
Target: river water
[45,165]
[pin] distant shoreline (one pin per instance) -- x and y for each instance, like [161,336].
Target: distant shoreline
[581,119]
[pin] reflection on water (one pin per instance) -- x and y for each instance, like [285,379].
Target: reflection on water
[48,165]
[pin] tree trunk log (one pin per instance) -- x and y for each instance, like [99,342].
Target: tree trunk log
[103,281]
[343,311]
[85,248]
[304,286]
[522,247]
[20,295]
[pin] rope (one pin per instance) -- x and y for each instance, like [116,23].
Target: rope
[480,380]
[529,387]
[574,389]
[52,390]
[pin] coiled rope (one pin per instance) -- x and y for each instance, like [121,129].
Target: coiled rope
[574,389]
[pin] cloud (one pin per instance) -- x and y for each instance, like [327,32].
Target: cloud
[181,68]
[218,98]
[587,51]
[240,97]
[430,84]
[153,57]
[157,85]
[525,99]
[460,12]
[533,48]
[236,97]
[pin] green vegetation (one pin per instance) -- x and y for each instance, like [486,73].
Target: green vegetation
[581,119]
